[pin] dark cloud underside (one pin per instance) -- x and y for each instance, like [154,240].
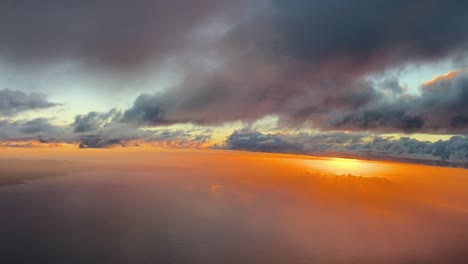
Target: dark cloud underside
[370,33]
[108,33]
[453,152]
[14,102]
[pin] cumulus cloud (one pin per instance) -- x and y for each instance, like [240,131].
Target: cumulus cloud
[96,130]
[29,129]
[14,102]
[93,120]
[453,151]
[308,62]
[365,106]
[441,107]
[158,138]
[385,106]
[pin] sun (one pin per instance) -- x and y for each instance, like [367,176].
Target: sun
[345,166]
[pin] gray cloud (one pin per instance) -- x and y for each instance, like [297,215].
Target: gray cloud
[146,109]
[122,33]
[365,105]
[453,152]
[96,141]
[14,102]
[93,121]
[30,129]
[441,107]
[109,34]
[307,62]
[160,138]
[256,141]
[97,130]
[243,93]
[367,35]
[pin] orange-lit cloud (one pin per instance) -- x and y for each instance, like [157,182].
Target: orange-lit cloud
[30,144]
[443,77]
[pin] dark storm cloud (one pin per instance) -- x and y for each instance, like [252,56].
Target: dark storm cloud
[365,34]
[441,107]
[453,151]
[107,33]
[13,102]
[248,94]
[307,62]
[386,117]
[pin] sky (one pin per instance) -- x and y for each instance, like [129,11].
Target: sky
[379,80]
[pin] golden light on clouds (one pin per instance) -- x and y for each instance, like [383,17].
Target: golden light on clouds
[342,166]
[443,77]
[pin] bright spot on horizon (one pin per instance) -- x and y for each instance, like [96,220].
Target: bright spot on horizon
[346,166]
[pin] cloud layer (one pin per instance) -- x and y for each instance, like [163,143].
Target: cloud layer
[453,151]
[107,34]
[14,102]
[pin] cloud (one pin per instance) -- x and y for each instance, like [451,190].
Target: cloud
[179,139]
[96,141]
[304,61]
[256,141]
[156,138]
[109,34]
[97,130]
[453,151]
[146,109]
[441,107]
[30,129]
[384,106]
[361,36]
[308,62]
[93,120]
[14,102]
